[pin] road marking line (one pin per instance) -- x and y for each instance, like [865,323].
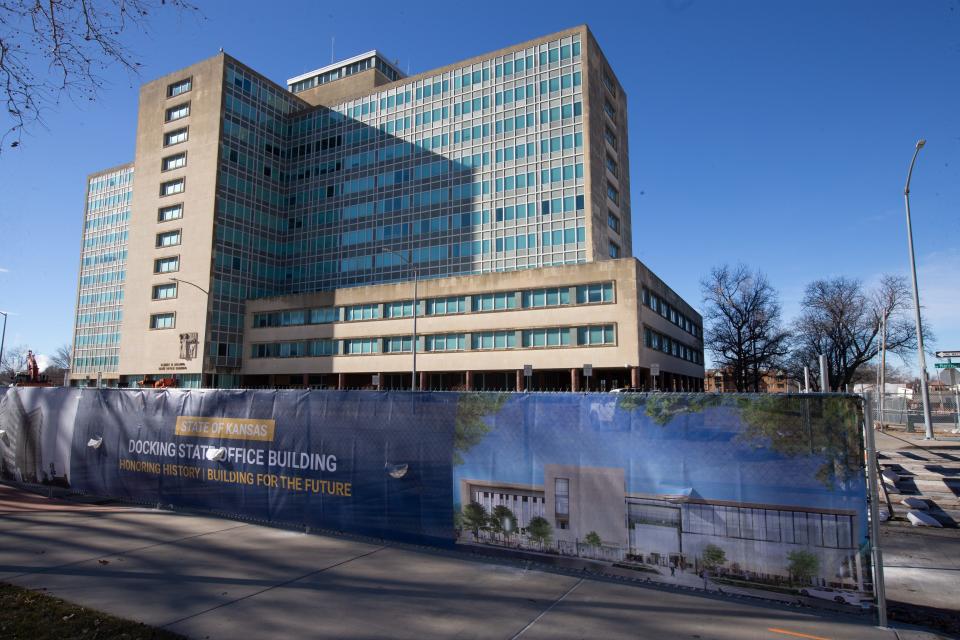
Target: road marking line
[795,634]
[548,609]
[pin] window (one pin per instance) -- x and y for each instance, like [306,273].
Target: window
[610,137]
[495,301]
[401,309]
[608,83]
[164,291]
[323,347]
[361,345]
[595,293]
[323,315]
[614,250]
[168,238]
[362,312]
[172,187]
[609,110]
[613,222]
[398,344]
[485,340]
[175,137]
[446,306]
[561,490]
[546,297]
[547,337]
[180,87]
[177,112]
[177,161]
[166,265]
[612,166]
[612,194]
[446,342]
[600,334]
[162,321]
[173,212]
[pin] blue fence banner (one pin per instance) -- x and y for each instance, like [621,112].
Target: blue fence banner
[750,492]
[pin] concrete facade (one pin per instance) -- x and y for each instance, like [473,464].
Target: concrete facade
[624,361]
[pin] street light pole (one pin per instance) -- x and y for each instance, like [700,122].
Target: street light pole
[3,336]
[414,386]
[928,426]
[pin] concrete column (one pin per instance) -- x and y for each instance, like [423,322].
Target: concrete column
[341,381]
[423,380]
[635,377]
[575,379]
[306,381]
[380,381]
[468,380]
[520,384]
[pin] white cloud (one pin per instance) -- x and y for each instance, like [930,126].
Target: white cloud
[4,270]
[43,361]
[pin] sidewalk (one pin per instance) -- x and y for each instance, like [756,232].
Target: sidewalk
[921,565]
[209,578]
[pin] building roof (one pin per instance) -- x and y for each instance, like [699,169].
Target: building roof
[373,53]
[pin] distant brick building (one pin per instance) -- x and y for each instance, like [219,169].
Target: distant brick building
[721,381]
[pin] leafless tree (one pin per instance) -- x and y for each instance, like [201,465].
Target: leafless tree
[50,49]
[61,358]
[841,319]
[743,324]
[14,361]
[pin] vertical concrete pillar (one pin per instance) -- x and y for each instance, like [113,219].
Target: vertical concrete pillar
[341,381]
[635,377]
[575,379]
[423,381]
[520,385]
[468,380]
[306,381]
[380,381]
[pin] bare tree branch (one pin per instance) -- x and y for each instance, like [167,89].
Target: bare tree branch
[743,324]
[842,321]
[50,49]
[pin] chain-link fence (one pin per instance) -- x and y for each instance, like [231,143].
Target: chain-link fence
[905,411]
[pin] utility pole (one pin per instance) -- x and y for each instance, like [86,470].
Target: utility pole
[924,391]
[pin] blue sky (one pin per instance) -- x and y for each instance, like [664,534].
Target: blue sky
[773,133]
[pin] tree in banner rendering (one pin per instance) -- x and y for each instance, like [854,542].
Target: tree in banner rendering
[713,557]
[593,539]
[802,566]
[475,518]
[470,428]
[540,530]
[503,520]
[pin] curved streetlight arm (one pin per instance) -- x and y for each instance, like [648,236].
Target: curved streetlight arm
[920,143]
[205,292]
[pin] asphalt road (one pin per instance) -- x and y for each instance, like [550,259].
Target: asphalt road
[210,578]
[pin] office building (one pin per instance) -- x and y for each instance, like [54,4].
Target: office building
[275,233]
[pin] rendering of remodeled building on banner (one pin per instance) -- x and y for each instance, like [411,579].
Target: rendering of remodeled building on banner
[287,236]
[672,530]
